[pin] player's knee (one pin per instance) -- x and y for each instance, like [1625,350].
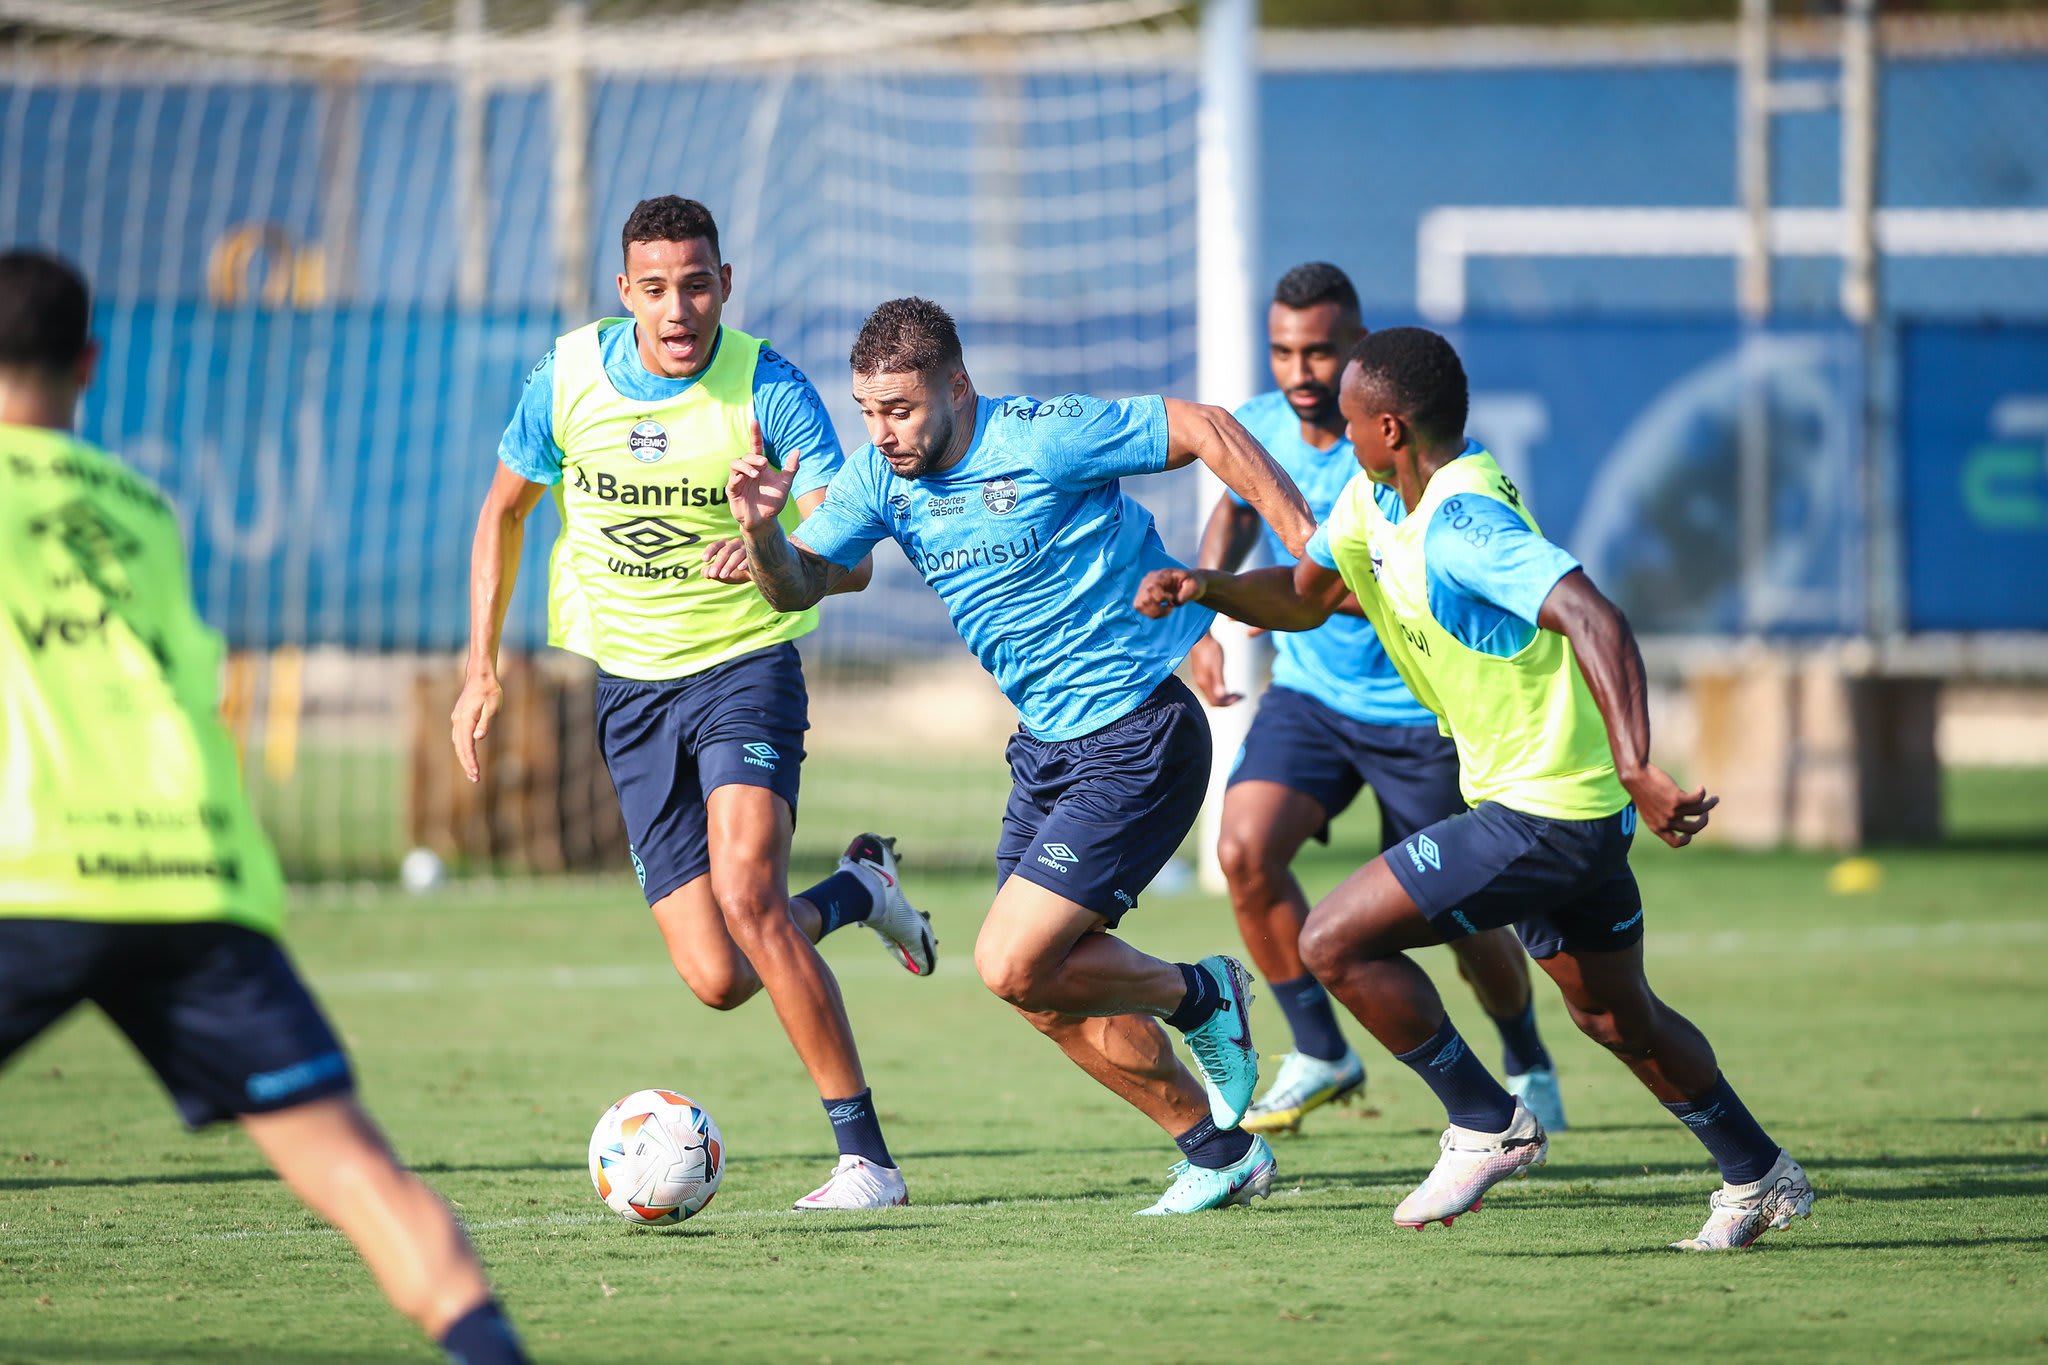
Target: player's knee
[1013,979]
[1626,1038]
[1324,949]
[722,987]
[751,910]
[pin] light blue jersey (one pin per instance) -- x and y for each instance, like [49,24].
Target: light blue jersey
[791,414]
[1488,572]
[1340,663]
[1035,550]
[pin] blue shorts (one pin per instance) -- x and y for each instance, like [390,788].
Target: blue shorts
[1095,817]
[1308,747]
[215,1009]
[669,744]
[1563,884]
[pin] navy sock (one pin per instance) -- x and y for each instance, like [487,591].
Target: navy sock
[1204,997]
[1204,1145]
[1735,1140]
[1520,1049]
[1314,1024]
[843,898]
[482,1336]
[858,1129]
[1471,1096]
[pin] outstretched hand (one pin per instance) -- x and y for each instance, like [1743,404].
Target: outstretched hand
[1164,590]
[1673,814]
[758,491]
[471,719]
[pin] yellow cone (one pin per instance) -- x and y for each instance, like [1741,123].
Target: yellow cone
[1855,876]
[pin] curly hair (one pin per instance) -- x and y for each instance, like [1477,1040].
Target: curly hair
[906,336]
[669,218]
[1413,373]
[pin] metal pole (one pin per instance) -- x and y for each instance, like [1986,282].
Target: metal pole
[472,191]
[1227,327]
[1753,157]
[1859,161]
[571,179]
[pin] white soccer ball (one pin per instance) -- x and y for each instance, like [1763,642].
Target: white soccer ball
[421,870]
[656,1158]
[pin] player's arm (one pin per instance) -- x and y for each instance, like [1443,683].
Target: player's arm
[1228,537]
[1613,668]
[727,561]
[493,568]
[1300,598]
[1199,431]
[789,574]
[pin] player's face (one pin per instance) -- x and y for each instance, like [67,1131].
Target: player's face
[675,292]
[910,418]
[1307,354]
[1372,433]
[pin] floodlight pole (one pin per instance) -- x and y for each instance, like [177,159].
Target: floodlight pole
[1226,323]
[1753,297]
[569,97]
[472,194]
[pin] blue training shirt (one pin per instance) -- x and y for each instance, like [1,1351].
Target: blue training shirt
[791,414]
[1035,550]
[1488,572]
[1340,663]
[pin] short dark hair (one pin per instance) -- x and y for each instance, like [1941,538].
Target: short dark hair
[1316,282]
[44,311]
[1414,373]
[906,336]
[669,218]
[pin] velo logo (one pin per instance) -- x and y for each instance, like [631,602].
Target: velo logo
[761,755]
[1058,857]
[1423,852]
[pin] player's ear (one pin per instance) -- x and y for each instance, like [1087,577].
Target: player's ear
[1393,431]
[959,387]
[725,282]
[620,280]
[86,365]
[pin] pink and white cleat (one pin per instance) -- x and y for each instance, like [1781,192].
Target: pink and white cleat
[1471,1164]
[904,930]
[1739,1214]
[858,1183]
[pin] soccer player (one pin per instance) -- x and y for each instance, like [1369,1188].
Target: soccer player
[1337,718]
[1539,681]
[132,870]
[701,707]
[1011,510]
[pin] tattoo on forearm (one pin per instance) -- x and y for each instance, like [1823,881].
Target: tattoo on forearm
[790,578]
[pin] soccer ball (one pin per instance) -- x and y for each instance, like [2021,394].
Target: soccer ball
[656,1158]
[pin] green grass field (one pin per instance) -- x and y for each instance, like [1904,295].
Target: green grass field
[1896,1041]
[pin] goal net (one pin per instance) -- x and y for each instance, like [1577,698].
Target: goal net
[329,238]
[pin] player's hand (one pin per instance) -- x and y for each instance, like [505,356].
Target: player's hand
[1165,589]
[1205,666]
[1673,814]
[471,720]
[726,561]
[758,491]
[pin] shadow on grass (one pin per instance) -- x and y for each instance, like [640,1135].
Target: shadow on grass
[1783,1243]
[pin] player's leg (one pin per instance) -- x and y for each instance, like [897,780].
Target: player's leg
[1102,1002]
[222,1017]
[333,1158]
[1594,952]
[45,969]
[1413,771]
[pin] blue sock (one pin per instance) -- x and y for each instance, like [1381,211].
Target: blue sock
[1520,1049]
[1204,997]
[843,898]
[1471,1096]
[482,1336]
[1314,1024]
[1203,1145]
[857,1128]
[1736,1141]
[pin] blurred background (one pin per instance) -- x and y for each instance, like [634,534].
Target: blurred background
[1755,306]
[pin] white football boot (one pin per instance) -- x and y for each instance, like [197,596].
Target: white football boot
[904,930]
[1739,1214]
[858,1183]
[1471,1164]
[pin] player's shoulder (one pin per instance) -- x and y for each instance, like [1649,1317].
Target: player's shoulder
[773,367]
[74,467]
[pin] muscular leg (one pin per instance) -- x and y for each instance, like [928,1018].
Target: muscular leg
[1611,1001]
[333,1158]
[1094,995]
[702,948]
[1495,967]
[1264,826]
[749,831]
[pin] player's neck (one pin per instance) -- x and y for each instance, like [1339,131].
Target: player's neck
[1323,435]
[966,425]
[1415,467]
[28,400]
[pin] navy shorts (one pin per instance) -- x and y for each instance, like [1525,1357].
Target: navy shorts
[669,744]
[215,1009]
[1094,818]
[1308,747]
[1563,884]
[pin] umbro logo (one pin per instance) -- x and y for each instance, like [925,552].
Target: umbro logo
[1423,852]
[899,503]
[761,755]
[1058,857]
[648,537]
[845,1112]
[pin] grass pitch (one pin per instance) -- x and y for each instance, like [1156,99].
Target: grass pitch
[1896,1041]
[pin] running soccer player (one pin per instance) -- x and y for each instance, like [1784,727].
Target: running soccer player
[701,706]
[1011,510]
[1538,678]
[1336,719]
[132,870]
